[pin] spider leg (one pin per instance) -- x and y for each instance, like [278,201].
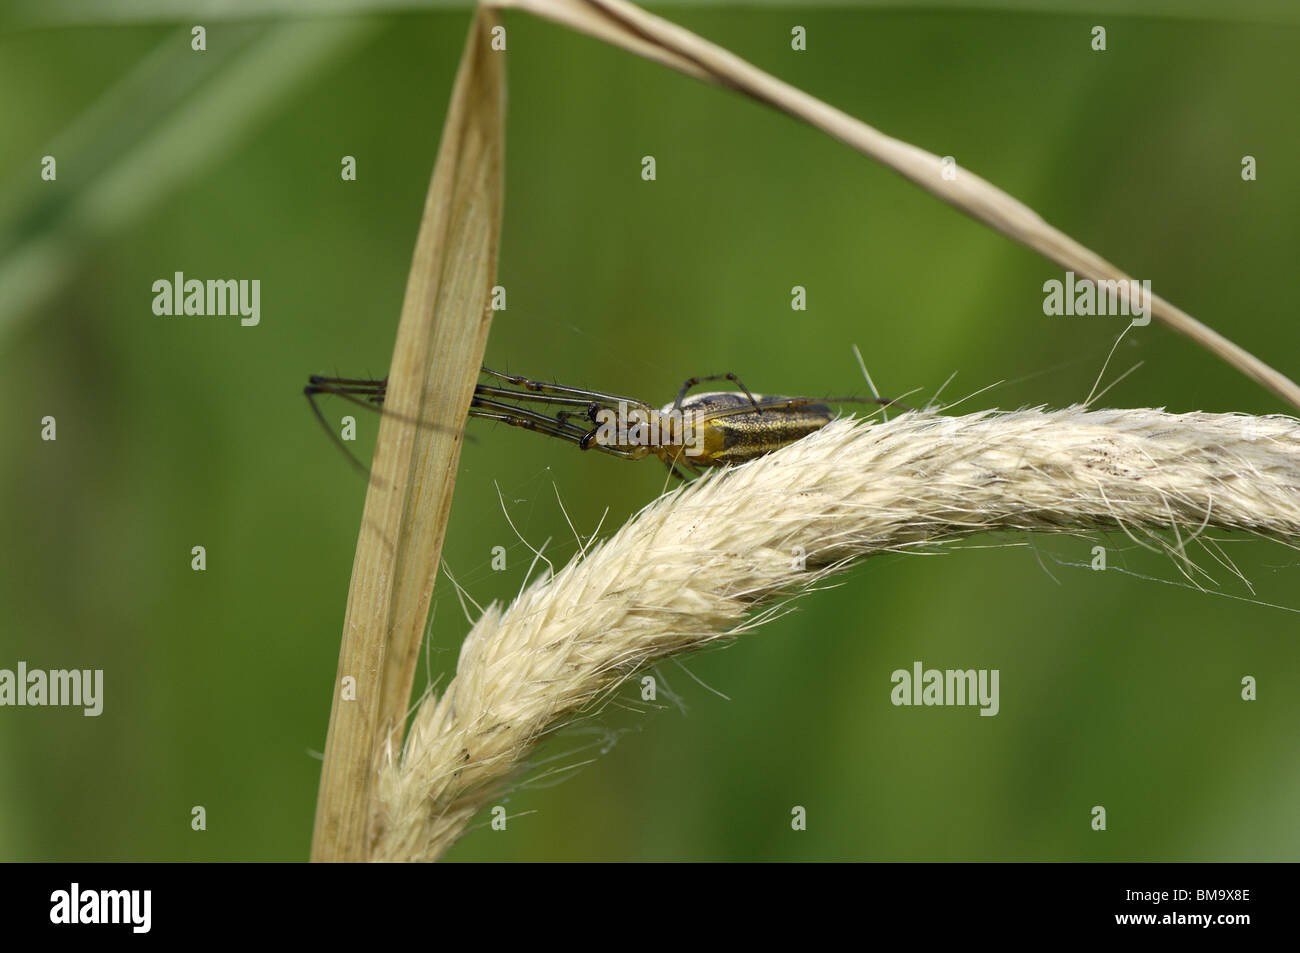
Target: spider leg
[692,381]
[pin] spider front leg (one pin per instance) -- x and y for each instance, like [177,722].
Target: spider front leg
[589,414]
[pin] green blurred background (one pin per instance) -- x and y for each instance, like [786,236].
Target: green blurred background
[1116,689]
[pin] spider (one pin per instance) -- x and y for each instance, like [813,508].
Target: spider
[710,429]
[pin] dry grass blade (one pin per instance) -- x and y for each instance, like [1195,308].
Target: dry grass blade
[439,347]
[692,565]
[627,25]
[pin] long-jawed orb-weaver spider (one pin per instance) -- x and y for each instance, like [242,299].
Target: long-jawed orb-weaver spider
[705,430]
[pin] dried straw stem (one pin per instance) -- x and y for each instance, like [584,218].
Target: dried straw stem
[693,564]
[626,25]
[436,359]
